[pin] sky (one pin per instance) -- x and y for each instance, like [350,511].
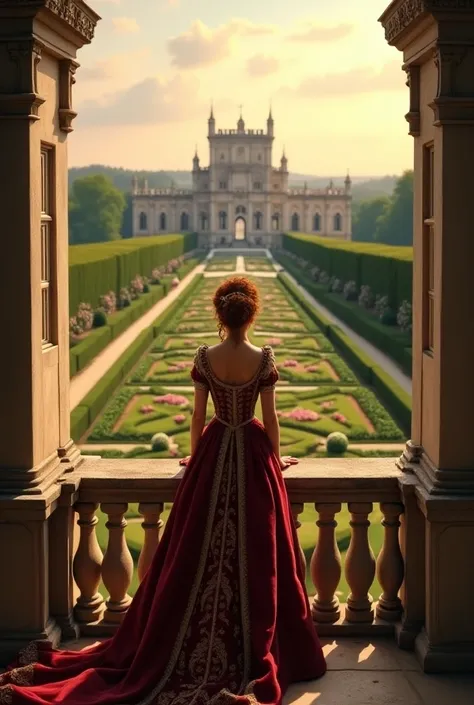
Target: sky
[337,90]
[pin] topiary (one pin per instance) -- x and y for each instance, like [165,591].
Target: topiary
[160,442]
[389,317]
[337,443]
[100,318]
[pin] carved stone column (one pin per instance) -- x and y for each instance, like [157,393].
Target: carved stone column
[38,44]
[437,41]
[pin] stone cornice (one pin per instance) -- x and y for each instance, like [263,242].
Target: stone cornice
[401,14]
[75,13]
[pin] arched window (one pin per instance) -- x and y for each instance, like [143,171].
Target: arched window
[184,221]
[163,221]
[258,218]
[240,210]
[338,223]
[295,222]
[317,223]
[203,219]
[222,220]
[276,222]
[143,221]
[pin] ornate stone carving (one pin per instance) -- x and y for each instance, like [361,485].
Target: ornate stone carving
[413,115]
[19,98]
[75,13]
[398,20]
[67,70]
[447,59]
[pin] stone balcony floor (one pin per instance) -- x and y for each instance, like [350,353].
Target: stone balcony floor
[371,672]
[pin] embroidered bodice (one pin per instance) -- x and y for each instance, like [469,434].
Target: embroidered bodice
[234,403]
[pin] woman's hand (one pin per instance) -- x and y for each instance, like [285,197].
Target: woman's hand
[287,460]
[185,461]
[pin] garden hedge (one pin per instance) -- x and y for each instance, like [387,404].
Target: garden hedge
[389,339]
[395,398]
[83,353]
[101,267]
[388,270]
[84,415]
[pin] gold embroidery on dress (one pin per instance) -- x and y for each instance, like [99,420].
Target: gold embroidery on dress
[6,694]
[30,654]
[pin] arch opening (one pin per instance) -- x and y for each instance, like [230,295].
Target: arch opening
[240,229]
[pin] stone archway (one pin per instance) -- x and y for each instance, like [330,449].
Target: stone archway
[240,229]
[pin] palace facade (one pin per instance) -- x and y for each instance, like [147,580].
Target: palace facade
[241,197]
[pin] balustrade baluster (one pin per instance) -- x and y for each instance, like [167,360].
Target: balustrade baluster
[87,566]
[360,566]
[296,510]
[390,566]
[152,526]
[326,566]
[117,566]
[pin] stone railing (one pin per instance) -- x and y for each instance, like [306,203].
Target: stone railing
[112,485]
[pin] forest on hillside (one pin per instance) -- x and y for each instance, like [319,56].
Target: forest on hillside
[362,188]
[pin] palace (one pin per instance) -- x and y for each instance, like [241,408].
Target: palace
[241,197]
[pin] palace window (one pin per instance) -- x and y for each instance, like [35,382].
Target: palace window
[295,222]
[259,157]
[258,218]
[222,220]
[47,245]
[222,156]
[223,185]
[163,221]
[203,219]
[257,185]
[338,223]
[275,186]
[429,251]
[240,210]
[241,150]
[276,221]
[317,223]
[143,224]
[184,222]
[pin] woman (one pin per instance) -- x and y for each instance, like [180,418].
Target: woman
[222,615]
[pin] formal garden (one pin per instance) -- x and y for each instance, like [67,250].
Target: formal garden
[323,393]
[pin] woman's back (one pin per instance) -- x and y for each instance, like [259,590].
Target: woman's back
[235,363]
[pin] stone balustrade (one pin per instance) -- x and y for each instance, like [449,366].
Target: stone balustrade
[111,485]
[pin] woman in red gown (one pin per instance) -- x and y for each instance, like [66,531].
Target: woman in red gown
[222,616]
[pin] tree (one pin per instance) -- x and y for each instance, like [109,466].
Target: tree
[365,216]
[395,225]
[95,210]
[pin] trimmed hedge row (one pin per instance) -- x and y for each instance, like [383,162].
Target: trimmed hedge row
[84,415]
[396,399]
[84,352]
[388,270]
[101,267]
[389,339]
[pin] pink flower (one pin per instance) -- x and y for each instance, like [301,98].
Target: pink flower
[299,414]
[172,399]
[274,341]
[340,418]
[175,282]
[179,418]
[327,405]
[146,409]
[312,368]
[290,363]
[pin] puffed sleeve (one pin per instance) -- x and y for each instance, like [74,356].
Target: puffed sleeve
[197,374]
[270,374]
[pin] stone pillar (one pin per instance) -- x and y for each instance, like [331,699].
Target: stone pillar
[437,40]
[35,446]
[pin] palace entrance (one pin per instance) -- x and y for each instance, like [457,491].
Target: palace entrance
[240,229]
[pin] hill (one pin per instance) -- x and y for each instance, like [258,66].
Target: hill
[362,189]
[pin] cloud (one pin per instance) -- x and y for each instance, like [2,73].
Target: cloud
[364,79]
[125,25]
[202,45]
[261,65]
[151,101]
[116,66]
[314,32]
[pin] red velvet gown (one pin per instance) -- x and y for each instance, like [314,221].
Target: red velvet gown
[222,616]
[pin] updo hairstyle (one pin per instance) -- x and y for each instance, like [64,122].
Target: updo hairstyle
[236,302]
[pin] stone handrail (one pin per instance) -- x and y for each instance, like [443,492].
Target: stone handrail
[327,484]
